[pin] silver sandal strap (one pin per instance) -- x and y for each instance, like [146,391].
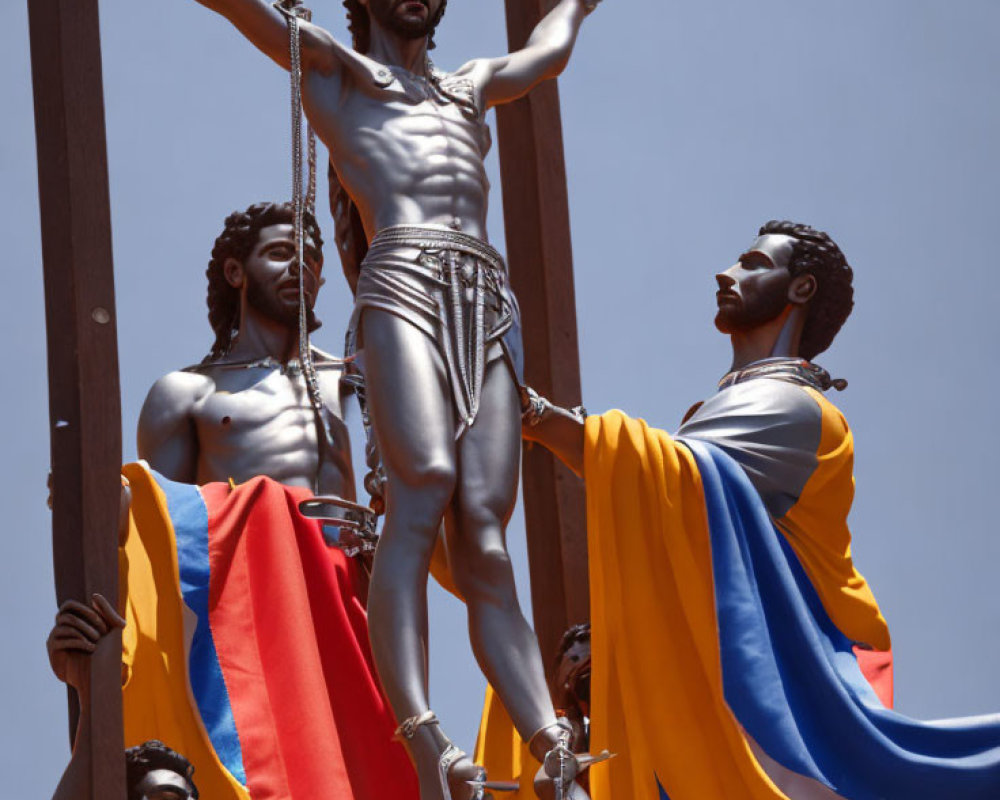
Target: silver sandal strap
[408,727]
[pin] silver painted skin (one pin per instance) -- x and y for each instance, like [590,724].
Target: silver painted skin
[408,146]
[248,413]
[771,427]
[237,420]
[451,286]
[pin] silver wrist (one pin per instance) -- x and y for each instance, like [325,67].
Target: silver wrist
[535,407]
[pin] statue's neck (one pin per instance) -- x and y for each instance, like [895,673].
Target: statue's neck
[778,337]
[262,337]
[395,51]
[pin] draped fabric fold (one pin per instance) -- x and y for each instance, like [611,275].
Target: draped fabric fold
[656,673]
[247,646]
[718,669]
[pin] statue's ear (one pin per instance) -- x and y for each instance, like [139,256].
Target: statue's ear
[233,270]
[801,289]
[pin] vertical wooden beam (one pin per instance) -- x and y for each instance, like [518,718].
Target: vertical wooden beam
[84,402]
[536,214]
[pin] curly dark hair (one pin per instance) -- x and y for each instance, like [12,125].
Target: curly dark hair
[152,755]
[815,253]
[359,24]
[237,240]
[575,633]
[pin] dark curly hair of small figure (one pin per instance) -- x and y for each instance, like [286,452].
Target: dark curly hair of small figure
[237,240]
[815,253]
[572,635]
[152,755]
[359,24]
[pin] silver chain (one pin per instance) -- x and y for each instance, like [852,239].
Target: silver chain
[311,155]
[300,203]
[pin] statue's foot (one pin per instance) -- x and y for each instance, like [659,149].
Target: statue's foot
[458,777]
[547,788]
[556,778]
[466,780]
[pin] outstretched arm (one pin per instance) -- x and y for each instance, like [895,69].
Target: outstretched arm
[556,429]
[544,56]
[267,29]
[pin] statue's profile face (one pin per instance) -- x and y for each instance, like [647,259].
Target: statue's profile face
[272,276]
[756,288]
[164,784]
[411,19]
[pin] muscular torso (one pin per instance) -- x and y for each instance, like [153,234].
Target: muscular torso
[239,423]
[405,153]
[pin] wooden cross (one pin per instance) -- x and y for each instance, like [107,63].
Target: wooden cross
[84,400]
[536,215]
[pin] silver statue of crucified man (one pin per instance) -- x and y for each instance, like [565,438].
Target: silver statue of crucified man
[436,331]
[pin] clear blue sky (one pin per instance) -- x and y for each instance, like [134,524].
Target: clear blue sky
[687,125]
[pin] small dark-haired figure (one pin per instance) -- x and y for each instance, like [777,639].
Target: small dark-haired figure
[155,772]
[235,600]
[571,683]
[736,649]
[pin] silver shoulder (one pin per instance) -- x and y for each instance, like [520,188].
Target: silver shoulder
[772,428]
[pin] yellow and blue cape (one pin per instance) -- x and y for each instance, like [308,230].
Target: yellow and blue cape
[737,652]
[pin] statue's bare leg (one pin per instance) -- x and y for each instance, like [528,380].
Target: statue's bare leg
[410,403]
[475,481]
[505,645]
[488,465]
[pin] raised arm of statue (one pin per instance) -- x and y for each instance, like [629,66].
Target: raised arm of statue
[267,29]
[167,438]
[544,56]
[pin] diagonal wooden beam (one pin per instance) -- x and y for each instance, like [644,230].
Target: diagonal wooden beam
[536,214]
[84,402]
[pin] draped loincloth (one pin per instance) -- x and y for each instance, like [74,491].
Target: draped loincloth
[454,288]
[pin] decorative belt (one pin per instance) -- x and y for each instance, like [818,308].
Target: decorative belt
[464,285]
[426,237]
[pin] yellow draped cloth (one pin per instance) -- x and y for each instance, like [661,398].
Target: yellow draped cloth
[656,685]
[656,677]
[158,703]
[656,688]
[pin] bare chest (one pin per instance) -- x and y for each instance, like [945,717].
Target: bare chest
[251,421]
[260,422]
[400,126]
[236,409]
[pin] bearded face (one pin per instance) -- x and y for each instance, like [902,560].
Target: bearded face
[410,19]
[277,308]
[755,289]
[271,275]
